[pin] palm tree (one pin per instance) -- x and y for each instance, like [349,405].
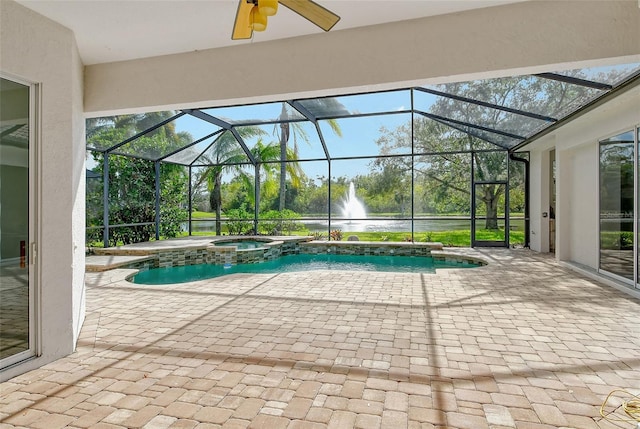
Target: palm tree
[133,124]
[225,155]
[266,156]
[286,129]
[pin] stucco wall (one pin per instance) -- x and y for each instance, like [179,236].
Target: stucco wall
[539,201]
[518,38]
[577,185]
[577,204]
[41,51]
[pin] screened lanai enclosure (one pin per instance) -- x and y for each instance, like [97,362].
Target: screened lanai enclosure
[431,163]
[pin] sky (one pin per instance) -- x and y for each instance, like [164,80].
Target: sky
[359,135]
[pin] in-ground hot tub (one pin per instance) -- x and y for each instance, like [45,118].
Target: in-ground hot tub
[242,244]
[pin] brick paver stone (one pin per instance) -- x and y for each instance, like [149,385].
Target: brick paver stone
[520,343]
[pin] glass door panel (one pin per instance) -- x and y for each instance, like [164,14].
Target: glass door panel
[617,205]
[489,214]
[15,293]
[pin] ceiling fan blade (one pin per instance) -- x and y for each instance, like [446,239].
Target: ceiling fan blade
[242,26]
[312,11]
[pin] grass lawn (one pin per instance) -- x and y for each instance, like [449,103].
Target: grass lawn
[203,215]
[457,238]
[453,238]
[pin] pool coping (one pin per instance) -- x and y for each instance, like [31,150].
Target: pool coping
[203,250]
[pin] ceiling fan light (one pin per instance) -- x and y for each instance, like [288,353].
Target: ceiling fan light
[258,20]
[268,7]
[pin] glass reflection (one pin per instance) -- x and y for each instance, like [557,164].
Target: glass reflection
[617,205]
[105,132]
[256,113]
[477,114]
[14,218]
[379,102]
[611,75]
[190,153]
[169,138]
[225,149]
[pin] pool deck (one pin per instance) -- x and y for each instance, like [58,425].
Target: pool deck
[520,343]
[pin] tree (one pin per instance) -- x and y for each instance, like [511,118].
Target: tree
[264,175]
[441,179]
[226,155]
[287,128]
[131,184]
[443,175]
[530,94]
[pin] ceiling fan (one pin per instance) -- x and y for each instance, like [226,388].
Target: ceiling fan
[252,15]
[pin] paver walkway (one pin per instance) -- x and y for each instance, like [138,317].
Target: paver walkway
[522,343]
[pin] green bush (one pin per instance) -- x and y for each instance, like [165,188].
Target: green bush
[240,222]
[276,222]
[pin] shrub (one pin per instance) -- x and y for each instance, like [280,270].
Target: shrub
[336,235]
[276,222]
[317,235]
[240,222]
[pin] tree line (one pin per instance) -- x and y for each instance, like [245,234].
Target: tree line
[440,181]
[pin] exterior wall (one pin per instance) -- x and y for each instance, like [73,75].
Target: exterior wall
[41,51]
[577,205]
[539,187]
[577,187]
[527,37]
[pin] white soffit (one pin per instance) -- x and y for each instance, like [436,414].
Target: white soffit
[117,30]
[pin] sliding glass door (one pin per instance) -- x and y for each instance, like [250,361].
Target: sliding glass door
[17,340]
[618,206]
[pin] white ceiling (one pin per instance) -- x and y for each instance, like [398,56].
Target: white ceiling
[117,30]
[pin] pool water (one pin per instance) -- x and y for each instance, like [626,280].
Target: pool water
[292,263]
[242,244]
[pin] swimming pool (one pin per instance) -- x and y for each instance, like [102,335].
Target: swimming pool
[299,262]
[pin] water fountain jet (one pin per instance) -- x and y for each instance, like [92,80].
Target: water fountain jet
[352,207]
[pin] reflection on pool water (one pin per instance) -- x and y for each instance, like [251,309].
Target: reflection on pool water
[242,244]
[302,262]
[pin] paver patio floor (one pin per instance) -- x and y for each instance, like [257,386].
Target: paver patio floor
[521,343]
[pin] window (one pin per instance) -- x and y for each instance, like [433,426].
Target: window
[617,205]
[16,270]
